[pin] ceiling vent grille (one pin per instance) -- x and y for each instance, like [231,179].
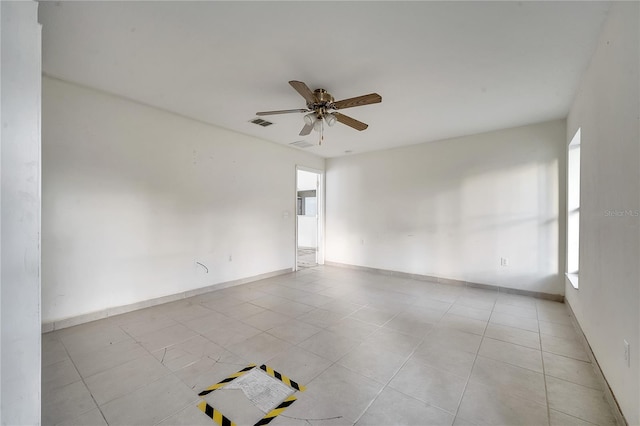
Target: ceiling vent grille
[301,144]
[261,122]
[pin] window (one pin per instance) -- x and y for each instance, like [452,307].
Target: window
[573,209]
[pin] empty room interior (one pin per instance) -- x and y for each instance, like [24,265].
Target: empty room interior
[320,213]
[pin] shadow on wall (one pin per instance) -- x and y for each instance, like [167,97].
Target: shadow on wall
[485,208]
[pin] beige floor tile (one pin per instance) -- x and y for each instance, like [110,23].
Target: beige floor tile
[207,322]
[513,335]
[436,305]
[111,356]
[445,358]
[454,339]
[209,371]
[408,324]
[579,401]
[294,331]
[420,313]
[468,325]
[59,374]
[150,404]
[266,320]
[244,310]
[353,328]
[383,328]
[342,307]
[125,378]
[559,317]
[299,365]
[321,317]
[389,340]
[90,418]
[567,347]
[373,316]
[66,403]
[519,356]
[486,407]
[165,337]
[510,379]
[260,348]
[329,345]
[558,330]
[484,303]
[560,419]
[470,312]
[516,311]
[459,421]
[530,324]
[91,337]
[395,408]
[147,325]
[231,333]
[338,394]
[185,353]
[53,351]
[571,370]
[380,365]
[516,300]
[431,385]
[191,415]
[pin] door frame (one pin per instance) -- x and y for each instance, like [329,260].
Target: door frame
[321,212]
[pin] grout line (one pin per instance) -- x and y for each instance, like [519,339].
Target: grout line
[544,373]
[84,383]
[475,358]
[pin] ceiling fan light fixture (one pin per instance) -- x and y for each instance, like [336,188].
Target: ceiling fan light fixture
[331,119]
[317,126]
[310,119]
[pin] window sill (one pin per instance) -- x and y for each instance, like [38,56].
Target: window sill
[573,279]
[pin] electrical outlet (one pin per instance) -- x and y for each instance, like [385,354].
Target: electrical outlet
[627,353]
[504,261]
[230,258]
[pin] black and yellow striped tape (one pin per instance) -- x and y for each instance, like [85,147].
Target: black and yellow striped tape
[276,411]
[221,420]
[284,379]
[232,377]
[215,415]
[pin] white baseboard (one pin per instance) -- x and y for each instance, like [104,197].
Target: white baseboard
[116,310]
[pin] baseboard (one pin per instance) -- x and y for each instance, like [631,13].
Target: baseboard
[608,393]
[448,281]
[117,310]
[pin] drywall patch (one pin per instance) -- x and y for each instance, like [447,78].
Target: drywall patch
[268,391]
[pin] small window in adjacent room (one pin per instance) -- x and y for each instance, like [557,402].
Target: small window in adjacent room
[573,209]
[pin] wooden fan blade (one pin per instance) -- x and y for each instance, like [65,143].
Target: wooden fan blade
[351,122]
[306,130]
[371,98]
[282,111]
[304,90]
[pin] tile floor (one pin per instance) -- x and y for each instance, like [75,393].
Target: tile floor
[371,349]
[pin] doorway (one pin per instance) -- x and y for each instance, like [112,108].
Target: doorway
[309,218]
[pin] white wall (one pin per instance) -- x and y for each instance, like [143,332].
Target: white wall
[20,215]
[607,110]
[453,208]
[133,197]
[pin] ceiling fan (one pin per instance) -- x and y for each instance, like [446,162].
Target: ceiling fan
[321,107]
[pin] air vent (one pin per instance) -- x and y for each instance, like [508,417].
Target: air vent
[261,122]
[301,144]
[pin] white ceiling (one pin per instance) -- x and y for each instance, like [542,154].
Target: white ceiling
[444,69]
